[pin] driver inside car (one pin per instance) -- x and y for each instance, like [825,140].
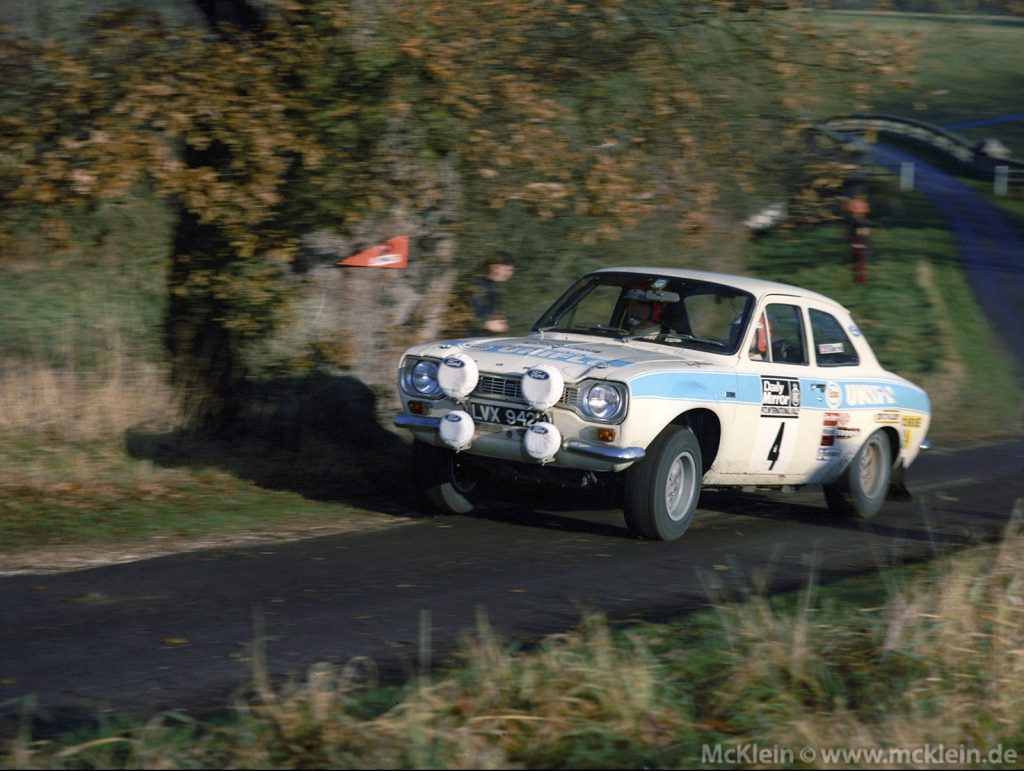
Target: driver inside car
[643,317]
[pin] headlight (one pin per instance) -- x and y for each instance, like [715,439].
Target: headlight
[602,401]
[420,379]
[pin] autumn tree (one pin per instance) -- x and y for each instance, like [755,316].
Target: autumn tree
[312,126]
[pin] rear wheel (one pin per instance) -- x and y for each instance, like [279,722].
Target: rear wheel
[862,488]
[447,482]
[662,490]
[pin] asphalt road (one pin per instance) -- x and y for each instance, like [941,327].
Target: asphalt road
[177,632]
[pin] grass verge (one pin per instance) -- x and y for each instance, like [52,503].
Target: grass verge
[96,458]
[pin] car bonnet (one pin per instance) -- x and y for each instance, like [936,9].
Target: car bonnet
[575,359]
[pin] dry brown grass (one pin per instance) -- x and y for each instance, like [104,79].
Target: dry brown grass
[941,664]
[62,442]
[503,711]
[84,405]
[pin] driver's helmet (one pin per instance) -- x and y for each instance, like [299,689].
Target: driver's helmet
[639,294]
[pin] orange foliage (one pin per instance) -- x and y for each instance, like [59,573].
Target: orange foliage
[609,110]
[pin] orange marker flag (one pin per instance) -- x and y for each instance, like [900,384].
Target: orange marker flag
[393,253]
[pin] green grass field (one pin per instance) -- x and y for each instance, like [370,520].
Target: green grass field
[968,70]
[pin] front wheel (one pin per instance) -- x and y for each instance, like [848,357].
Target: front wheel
[862,488]
[444,479]
[662,490]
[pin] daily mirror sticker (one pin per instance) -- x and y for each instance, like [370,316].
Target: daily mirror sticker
[780,397]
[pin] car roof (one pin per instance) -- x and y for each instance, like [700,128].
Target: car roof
[756,286]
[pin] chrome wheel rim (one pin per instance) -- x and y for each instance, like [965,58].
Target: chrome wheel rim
[680,486]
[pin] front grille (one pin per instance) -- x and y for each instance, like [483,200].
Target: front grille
[510,389]
[500,387]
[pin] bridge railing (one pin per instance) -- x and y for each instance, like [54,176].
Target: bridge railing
[976,157]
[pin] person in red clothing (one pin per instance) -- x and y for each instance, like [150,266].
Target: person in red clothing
[857,210]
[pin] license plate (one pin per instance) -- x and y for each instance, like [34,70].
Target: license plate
[505,416]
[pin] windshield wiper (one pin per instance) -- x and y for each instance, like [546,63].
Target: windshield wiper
[602,329]
[673,337]
[694,339]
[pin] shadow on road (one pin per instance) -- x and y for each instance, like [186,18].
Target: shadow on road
[319,436]
[597,511]
[611,525]
[922,519]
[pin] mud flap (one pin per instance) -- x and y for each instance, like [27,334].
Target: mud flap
[897,485]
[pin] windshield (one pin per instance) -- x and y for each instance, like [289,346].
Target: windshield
[637,306]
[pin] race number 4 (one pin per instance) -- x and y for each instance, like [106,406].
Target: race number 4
[776,448]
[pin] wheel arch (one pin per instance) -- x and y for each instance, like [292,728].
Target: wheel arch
[897,486]
[707,427]
[893,436]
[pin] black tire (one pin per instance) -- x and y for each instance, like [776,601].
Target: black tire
[862,488]
[444,479]
[662,490]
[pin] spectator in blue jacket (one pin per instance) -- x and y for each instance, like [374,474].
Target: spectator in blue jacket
[485,300]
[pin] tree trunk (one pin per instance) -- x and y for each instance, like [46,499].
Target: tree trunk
[203,351]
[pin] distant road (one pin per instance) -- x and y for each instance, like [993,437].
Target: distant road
[1012,118]
[991,245]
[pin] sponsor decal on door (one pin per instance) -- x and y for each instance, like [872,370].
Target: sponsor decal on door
[780,397]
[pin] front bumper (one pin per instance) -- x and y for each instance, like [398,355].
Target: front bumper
[416,422]
[508,443]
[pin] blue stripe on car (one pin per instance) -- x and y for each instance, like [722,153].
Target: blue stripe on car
[713,386]
[702,386]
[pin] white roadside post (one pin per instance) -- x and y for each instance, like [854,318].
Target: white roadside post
[1001,180]
[906,175]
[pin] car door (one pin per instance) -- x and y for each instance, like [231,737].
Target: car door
[777,430]
[837,367]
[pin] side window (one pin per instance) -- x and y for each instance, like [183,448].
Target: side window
[832,348]
[710,316]
[779,336]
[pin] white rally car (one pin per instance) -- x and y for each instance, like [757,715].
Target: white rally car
[676,379]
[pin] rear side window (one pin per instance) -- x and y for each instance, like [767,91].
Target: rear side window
[832,347]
